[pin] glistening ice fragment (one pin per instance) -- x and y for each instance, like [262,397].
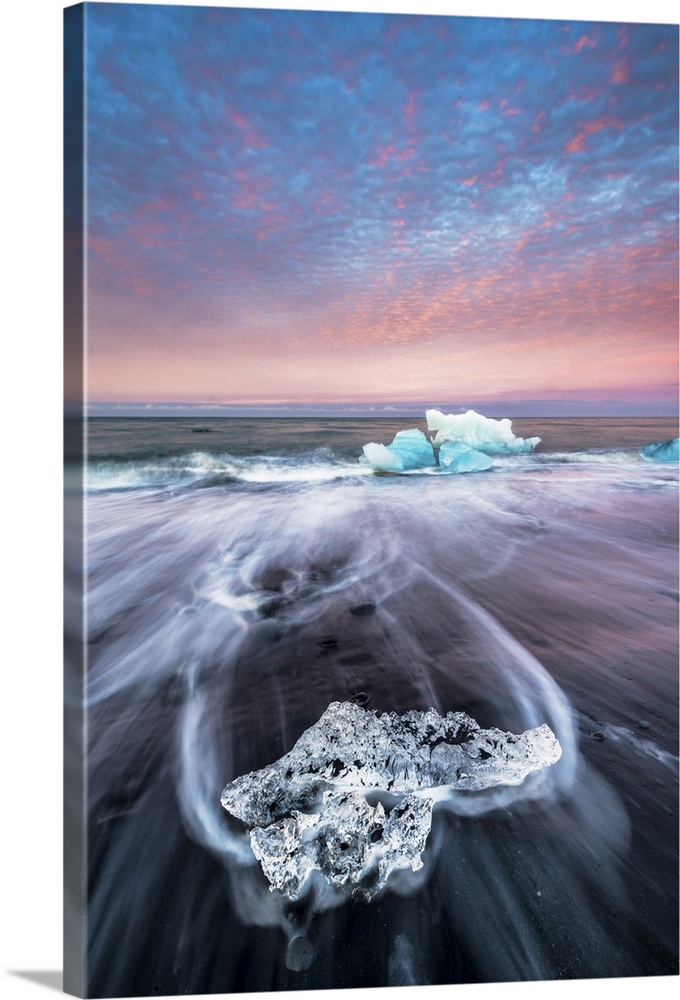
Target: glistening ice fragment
[353,799]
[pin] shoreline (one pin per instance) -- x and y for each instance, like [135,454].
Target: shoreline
[225,621]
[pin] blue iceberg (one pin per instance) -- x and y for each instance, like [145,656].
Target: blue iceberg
[409,450]
[463,443]
[458,457]
[662,451]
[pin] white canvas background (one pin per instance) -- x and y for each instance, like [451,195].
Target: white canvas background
[30,401]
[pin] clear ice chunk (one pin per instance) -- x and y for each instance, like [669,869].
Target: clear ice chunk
[493,437]
[353,799]
[662,451]
[353,844]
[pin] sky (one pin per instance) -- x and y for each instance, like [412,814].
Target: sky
[292,212]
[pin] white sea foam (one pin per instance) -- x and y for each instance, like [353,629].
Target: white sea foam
[203,468]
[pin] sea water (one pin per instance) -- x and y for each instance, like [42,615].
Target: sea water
[242,574]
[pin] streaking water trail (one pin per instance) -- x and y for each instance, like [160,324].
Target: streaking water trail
[226,615]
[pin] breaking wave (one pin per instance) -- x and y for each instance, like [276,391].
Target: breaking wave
[204,469]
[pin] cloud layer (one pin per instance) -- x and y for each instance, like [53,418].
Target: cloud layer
[329,206]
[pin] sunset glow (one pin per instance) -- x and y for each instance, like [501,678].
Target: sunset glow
[349,210]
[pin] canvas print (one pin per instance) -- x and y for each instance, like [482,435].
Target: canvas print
[372,500]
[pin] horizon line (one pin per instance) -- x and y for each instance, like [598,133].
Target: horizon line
[529,409]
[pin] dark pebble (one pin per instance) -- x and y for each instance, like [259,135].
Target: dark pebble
[643,725]
[328,642]
[270,609]
[363,610]
[273,578]
[300,954]
[360,698]
[597,736]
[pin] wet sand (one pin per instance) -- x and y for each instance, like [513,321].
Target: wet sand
[608,633]
[580,882]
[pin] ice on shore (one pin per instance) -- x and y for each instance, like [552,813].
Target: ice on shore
[662,451]
[353,799]
[462,443]
[409,450]
[458,457]
[493,437]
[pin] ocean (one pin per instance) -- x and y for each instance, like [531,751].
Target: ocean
[243,574]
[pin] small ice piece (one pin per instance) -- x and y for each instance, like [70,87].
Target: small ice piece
[340,841]
[409,450]
[353,799]
[662,451]
[493,437]
[458,457]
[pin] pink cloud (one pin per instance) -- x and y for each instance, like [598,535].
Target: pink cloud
[409,109]
[584,94]
[621,72]
[250,137]
[584,42]
[536,127]
[578,143]
[392,152]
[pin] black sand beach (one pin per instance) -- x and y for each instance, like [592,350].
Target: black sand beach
[226,615]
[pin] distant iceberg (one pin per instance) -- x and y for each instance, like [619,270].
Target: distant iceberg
[493,437]
[662,451]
